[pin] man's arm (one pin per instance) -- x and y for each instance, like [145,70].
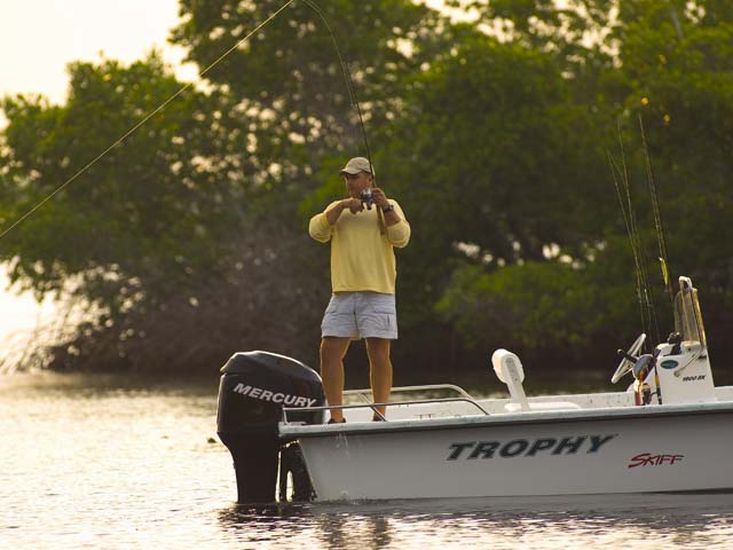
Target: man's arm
[321,225]
[398,230]
[334,210]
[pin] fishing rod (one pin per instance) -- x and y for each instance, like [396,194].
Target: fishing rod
[344,68]
[645,307]
[648,311]
[658,226]
[616,170]
[623,191]
[352,97]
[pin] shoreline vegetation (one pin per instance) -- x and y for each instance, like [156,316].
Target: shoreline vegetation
[187,241]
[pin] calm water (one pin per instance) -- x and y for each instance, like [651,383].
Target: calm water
[95,462]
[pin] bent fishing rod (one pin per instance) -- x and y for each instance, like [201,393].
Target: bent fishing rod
[347,80]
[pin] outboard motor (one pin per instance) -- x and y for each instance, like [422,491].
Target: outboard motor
[254,388]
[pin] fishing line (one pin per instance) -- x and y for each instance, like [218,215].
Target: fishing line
[147,117]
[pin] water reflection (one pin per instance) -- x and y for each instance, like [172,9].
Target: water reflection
[352,529]
[346,526]
[644,521]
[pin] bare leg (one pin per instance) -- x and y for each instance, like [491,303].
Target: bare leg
[380,369]
[333,350]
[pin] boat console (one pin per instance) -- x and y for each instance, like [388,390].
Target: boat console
[677,371]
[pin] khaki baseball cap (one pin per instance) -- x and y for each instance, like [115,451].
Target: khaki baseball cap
[356,165]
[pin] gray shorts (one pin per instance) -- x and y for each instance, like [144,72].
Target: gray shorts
[359,315]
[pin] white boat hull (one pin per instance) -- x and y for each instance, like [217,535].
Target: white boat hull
[629,450]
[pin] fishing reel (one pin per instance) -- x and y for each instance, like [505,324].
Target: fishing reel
[640,370]
[640,366]
[367,199]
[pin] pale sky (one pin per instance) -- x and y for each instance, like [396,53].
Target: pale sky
[39,37]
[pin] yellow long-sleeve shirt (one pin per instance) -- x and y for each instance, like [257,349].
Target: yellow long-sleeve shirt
[362,257]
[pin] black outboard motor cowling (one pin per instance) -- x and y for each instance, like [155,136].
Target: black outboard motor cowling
[254,388]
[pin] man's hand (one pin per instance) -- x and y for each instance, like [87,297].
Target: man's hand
[380,199]
[353,204]
[333,212]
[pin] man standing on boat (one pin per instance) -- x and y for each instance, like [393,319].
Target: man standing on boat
[364,229]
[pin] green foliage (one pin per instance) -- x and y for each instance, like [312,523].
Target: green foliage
[288,75]
[492,156]
[496,126]
[677,65]
[493,135]
[149,209]
[526,304]
[574,304]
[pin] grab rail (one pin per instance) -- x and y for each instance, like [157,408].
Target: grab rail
[469,400]
[363,393]
[428,387]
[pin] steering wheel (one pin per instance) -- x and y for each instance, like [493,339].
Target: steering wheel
[627,362]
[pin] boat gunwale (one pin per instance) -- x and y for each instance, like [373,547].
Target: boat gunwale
[290,431]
